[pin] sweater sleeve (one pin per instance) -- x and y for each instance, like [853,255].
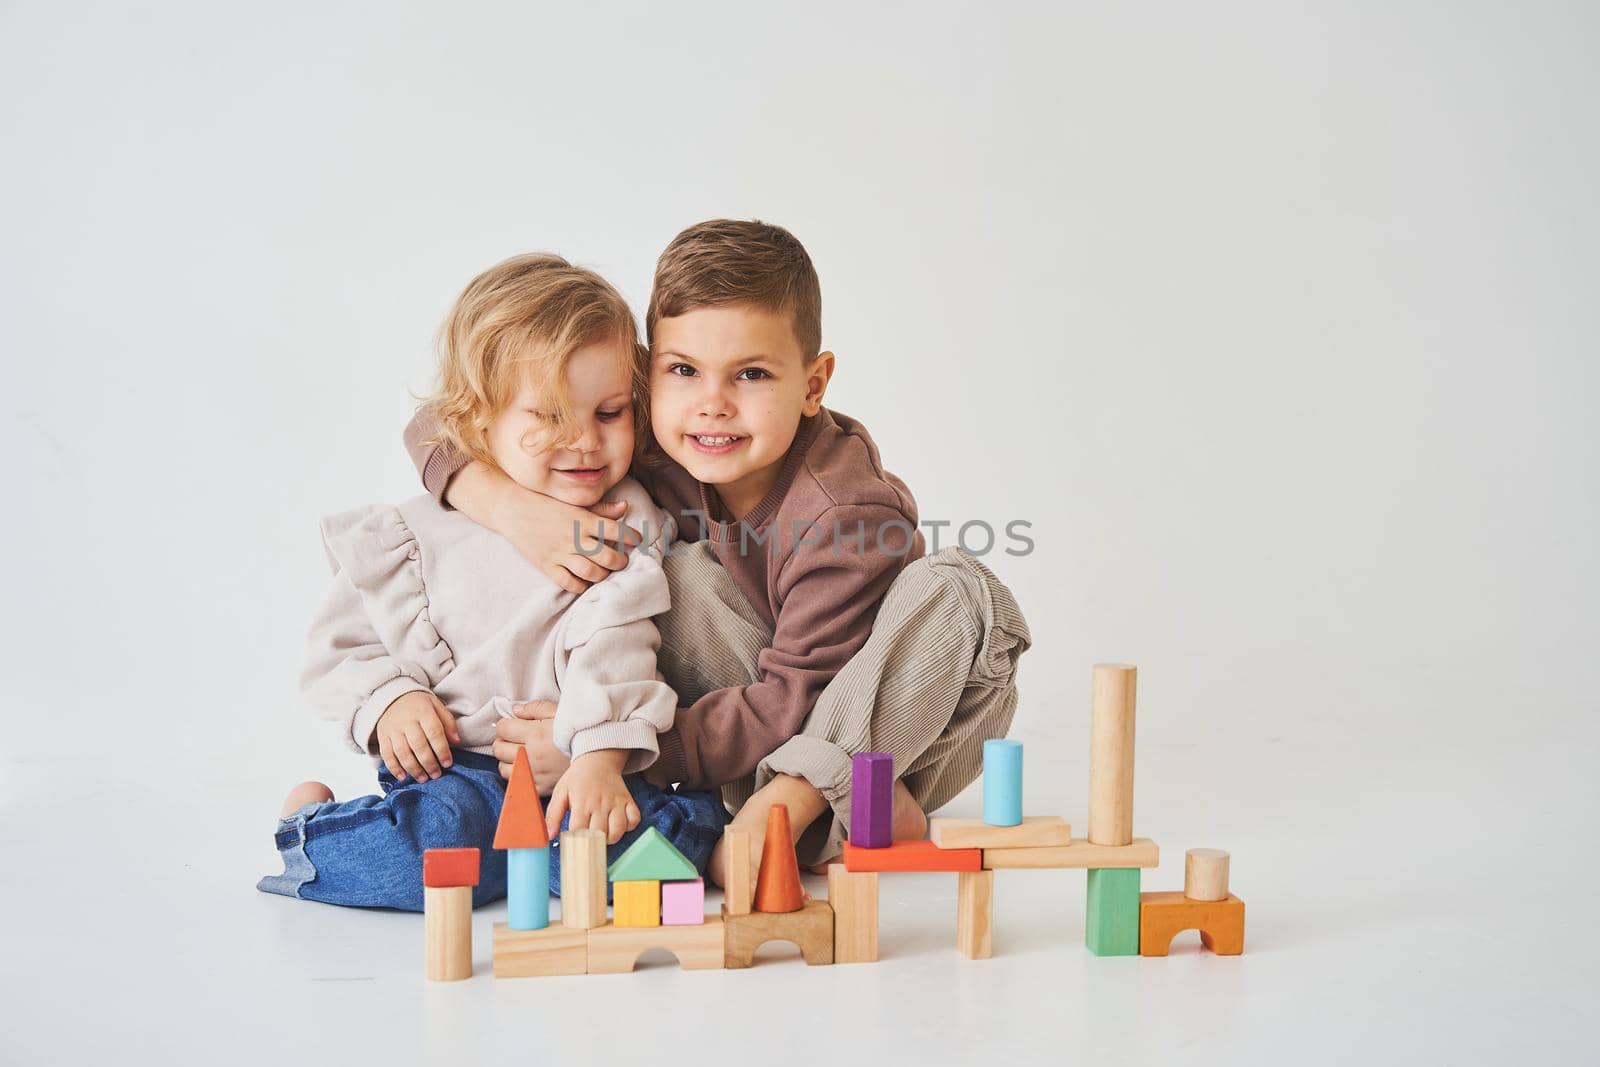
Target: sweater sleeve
[829,596]
[436,463]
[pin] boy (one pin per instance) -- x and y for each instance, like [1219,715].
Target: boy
[806,624]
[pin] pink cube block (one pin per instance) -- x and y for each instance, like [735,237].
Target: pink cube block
[683,903]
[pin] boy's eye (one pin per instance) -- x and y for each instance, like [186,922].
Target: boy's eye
[757,371]
[609,416]
[681,369]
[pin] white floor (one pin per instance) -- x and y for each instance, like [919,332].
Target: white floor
[1405,907]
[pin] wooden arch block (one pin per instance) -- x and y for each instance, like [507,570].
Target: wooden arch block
[1162,916]
[811,928]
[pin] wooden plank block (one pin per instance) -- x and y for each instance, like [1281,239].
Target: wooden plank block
[1205,874]
[447,931]
[1163,915]
[853,895]
[1002,782]
[810,928]
[1079,855]
[636,903]
[738,893]
[583,879]
[975,914]
[872,799]
[683,903]
[532,953]
[1111,920]
[445,867]
[912,856]
[778,882]
[699,947]
[1111,754]
[1035,831]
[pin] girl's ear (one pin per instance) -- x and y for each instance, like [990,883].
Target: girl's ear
[818,373]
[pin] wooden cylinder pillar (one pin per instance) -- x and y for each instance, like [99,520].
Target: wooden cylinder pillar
[1111,755]
[1205,874]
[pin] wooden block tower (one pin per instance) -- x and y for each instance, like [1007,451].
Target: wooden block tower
[659,902]
[782,912]
[1205,905]
[526,944]
[448,875]
[1111,926]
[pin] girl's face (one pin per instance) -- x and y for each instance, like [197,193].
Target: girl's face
[579,471]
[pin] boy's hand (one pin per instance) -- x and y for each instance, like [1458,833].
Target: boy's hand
[598,797]
[541,527]
[531,729]
[415,734]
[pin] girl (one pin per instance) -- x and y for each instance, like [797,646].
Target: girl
[435,625]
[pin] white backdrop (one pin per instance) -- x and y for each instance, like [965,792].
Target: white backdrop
[1277,322]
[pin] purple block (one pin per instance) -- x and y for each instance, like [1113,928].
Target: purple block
[683,903]
[871,799]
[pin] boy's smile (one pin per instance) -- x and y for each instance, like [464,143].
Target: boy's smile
[728,387]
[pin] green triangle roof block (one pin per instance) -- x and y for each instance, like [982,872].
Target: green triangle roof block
[650,859]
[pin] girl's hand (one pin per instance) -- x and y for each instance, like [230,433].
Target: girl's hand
[596,794]
[531,729]
[415,734]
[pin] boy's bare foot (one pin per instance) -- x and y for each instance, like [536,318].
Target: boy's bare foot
[303,794]
[804,803]
[908,822]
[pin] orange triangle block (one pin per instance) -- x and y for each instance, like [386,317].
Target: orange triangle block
[778,881]
[521,816]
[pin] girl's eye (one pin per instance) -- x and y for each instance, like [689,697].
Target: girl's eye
[609,416]
[757,371]
[683,370]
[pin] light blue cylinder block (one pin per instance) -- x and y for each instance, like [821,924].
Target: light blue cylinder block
[528,888]
[1002,782]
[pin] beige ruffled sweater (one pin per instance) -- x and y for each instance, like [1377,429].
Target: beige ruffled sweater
[425,598]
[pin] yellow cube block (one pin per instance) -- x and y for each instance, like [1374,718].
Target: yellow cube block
[636,903]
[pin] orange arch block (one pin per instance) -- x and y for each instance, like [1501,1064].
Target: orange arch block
[778,881]
[1162,916]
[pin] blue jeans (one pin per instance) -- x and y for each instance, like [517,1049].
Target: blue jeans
[367,852]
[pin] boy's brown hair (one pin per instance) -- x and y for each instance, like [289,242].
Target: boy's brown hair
[732,261]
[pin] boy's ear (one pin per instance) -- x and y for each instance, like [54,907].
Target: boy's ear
[818,372]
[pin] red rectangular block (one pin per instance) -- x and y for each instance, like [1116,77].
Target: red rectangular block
[445,867]
[912,856]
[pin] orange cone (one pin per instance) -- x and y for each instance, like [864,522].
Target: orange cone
[778,881]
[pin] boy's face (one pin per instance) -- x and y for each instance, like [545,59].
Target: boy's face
[728,387]
[580,471]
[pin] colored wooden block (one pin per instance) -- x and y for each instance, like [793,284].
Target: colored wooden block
[636,903]
[739,891]
[1035,831]
[447,931]
[583,879]
[853,895]
[871,799]
[446,867]
[1080,855]
[1111,754]
[651,858]
[1002,782]
[1111,920]
[778,882]
[615,949]
[975,914]
[1162,916]
[912,856]
[1205,874]
[810,928]
[528,888]
[521,822]
[534,953]
[683,903]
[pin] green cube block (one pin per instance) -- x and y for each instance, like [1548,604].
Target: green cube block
[1112,925]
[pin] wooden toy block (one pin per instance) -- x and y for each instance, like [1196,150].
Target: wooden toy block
[637,903]
[1002,782]
[810,928]
[1079,855]
[447,931]
[521,822]
[1162,916]
[1111,920]
[871,799]
[912,856]
[651,858]
[975,914]
[443,868]
[683,903]
[528,888]
[737,893]
[535,953]
[853,895]
[583,879]
[615,949]
[778,881]
[1035,831]
[1111,754]
[1205,874]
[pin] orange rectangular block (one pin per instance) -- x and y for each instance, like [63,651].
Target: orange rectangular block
[1162,916]
[446,867]
[912,856]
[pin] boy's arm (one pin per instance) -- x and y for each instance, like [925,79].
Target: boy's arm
[830,596]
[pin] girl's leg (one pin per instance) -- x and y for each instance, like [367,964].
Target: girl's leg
[367,852]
